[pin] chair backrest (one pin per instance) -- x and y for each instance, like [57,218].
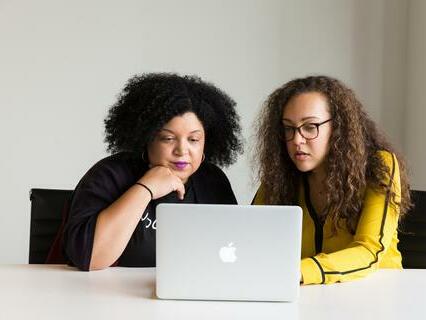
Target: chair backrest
[412,235]
[47,213]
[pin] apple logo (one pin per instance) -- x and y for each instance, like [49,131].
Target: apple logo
[227,254]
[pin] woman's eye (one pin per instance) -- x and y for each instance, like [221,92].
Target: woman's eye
[194,140]
[309,127]
[167,139]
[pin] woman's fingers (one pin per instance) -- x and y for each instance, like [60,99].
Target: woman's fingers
[162,181]
[180,189]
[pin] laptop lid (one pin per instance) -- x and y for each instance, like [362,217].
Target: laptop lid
[228,252]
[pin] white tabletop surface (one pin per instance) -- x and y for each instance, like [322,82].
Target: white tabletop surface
[60,292]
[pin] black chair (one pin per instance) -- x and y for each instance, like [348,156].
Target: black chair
[412,235]
[48,209]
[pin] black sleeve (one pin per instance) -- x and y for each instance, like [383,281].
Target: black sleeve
[212,185]
[104,183]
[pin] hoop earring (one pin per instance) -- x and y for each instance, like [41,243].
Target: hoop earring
[143,157]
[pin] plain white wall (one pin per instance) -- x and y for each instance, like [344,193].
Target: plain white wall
[63,63]
[416,88]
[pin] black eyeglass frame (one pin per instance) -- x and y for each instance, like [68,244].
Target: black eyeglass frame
[317,125]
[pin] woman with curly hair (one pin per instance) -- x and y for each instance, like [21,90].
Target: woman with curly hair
[317,148]
[167,135]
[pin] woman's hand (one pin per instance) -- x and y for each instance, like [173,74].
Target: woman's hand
[161,181]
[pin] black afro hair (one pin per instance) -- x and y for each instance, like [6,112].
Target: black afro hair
[149,101]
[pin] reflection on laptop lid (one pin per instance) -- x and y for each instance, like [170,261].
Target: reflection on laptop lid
[228,252]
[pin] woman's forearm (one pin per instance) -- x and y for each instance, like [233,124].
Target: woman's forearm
[115,226]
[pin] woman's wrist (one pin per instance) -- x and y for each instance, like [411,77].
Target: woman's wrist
[146,188]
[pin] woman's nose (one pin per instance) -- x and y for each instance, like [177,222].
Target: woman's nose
[181,148]
[298,138]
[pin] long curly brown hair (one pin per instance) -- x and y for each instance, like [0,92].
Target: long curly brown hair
[353,160]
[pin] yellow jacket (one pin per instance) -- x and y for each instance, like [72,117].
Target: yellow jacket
[343,256]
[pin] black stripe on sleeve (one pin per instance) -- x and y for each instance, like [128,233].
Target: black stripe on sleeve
[321,269]
[385,211]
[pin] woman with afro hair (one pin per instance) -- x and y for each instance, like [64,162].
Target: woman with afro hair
[167,134]
[317,148]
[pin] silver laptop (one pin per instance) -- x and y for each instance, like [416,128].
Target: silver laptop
[228,252]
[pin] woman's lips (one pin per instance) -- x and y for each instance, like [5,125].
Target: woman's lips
[301,156]
[180,165]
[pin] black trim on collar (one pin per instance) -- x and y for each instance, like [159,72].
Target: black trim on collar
[318,224]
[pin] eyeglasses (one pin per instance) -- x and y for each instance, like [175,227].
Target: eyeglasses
[309,131]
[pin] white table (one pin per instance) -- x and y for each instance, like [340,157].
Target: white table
[60,292]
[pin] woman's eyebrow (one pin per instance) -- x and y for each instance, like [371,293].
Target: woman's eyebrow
[303,119]
[171,131]
[168,130]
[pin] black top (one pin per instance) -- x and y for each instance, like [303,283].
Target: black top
[106,181]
